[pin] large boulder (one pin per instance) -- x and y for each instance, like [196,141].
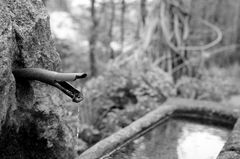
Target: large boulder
[30,111]
[7,49]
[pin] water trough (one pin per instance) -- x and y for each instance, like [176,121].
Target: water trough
[207,112]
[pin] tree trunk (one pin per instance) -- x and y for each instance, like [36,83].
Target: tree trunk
[93,39]
[110,31]
[142,18]
[143,12]
[238,27]
[122,24]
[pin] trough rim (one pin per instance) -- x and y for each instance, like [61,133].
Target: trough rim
[173,107]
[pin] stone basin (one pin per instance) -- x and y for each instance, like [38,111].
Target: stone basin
[175,139]
[174,110]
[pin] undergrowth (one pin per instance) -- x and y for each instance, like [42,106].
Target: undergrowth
[123,94]
[214,85]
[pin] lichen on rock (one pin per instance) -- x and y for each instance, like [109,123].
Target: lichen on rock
[29,110]
[7,49]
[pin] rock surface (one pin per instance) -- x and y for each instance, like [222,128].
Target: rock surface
[7,50]
[231,149]
[29,111]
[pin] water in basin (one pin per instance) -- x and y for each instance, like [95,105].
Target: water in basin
[176,139]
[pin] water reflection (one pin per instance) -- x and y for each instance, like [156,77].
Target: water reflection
[177,139]
[200,142]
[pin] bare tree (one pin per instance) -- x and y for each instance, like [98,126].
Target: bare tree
[143,11]
[142,18]
[110,31]
[238,27]
[93,39]
[122,23]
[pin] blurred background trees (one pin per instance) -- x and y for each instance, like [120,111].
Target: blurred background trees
[140,52]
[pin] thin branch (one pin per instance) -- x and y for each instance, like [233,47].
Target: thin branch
[168,37]
[209,45]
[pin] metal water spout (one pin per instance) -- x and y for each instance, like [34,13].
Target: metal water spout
[53,78]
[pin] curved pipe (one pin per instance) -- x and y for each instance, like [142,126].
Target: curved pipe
[46,75]
[53,78]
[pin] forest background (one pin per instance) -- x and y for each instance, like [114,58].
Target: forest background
[139,53]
